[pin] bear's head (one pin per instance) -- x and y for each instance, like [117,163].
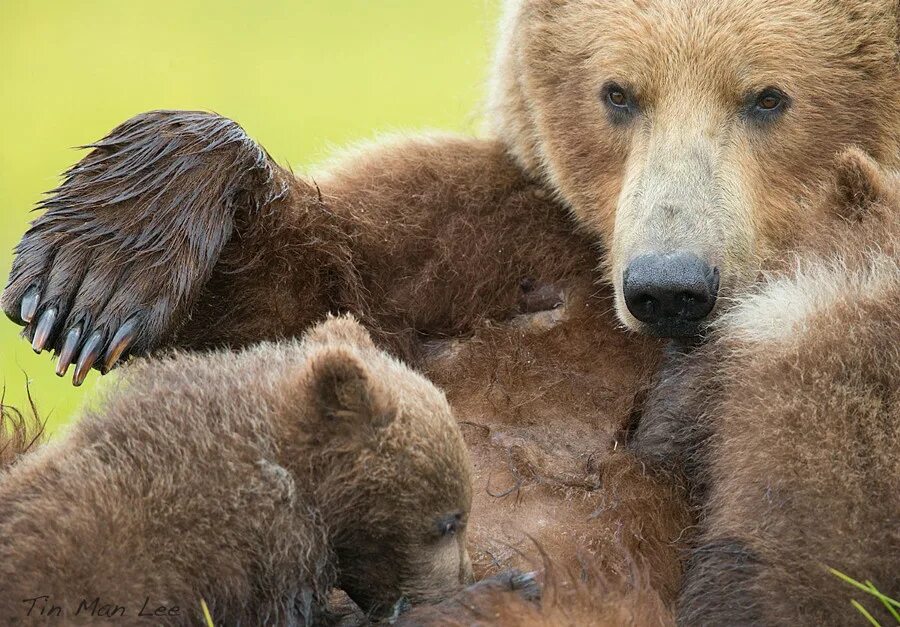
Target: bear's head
[846,265]
[392,477]
[684,133]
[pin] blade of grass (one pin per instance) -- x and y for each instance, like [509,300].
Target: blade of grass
[878,595]
[853,582]
[206,614]
[865,613]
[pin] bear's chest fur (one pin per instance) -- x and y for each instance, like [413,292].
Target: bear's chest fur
[545,401]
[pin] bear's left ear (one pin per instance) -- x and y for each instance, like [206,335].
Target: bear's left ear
[859,185]
[345,393]
[339,329]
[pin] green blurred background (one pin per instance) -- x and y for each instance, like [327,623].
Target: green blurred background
[303,77]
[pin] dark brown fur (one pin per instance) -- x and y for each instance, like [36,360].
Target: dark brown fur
[262,254]
[255,481]
[791,436]
[362,239]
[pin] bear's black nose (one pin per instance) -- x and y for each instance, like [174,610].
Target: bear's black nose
[671,293]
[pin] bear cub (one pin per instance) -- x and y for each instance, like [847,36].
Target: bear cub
[256,481]
[787,423]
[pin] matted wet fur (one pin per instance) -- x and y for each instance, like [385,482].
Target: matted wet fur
[788,425]
[254,481]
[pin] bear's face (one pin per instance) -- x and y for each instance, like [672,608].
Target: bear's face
[683,133]
[400,500]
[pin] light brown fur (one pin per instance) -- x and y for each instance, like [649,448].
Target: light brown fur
[588,597]
[690,170]
[255,481]
[788,425]
[547,423]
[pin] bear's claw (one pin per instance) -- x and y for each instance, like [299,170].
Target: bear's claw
[89,354]
[29,304]
[67,353]
[120,343]
[526,584]
[44,329]
[400,607]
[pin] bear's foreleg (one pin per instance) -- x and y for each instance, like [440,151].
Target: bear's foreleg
[177,229]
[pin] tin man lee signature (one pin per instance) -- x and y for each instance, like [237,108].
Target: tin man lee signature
[97,607]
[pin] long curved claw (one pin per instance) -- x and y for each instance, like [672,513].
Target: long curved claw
[527,585]
[29,305]
[44,329]
[70,345]
[88,356]
[120,343]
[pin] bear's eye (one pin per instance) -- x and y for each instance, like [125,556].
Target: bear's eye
[450,524]
[619,102]
[618,98]
[769,104]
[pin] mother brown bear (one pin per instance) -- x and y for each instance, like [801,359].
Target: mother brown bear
[667,143]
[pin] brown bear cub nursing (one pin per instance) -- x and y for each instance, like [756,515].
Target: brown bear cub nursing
[255,481]
[645,160]
[463,308]
[788,425]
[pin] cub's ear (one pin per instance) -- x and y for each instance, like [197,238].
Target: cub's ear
[340,329]
[345,393]
[860,186]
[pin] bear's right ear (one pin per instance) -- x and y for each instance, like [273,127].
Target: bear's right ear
[345,394]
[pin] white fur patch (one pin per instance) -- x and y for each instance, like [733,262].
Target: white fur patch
[784,306]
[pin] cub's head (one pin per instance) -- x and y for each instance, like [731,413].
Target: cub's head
[684,132]
[845,270]
[396,478]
